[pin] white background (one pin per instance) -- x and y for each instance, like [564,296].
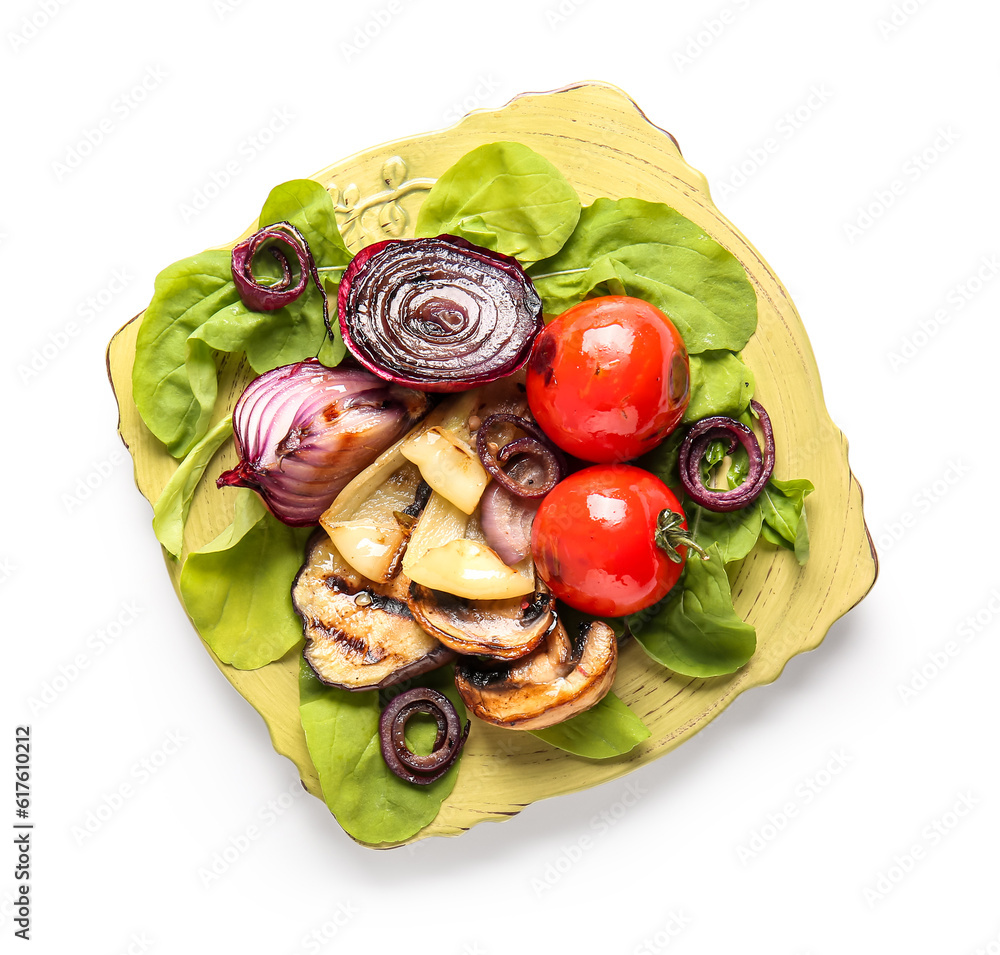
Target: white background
[700,855]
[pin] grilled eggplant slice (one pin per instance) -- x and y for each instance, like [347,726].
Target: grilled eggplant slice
[360,634]
[562,677]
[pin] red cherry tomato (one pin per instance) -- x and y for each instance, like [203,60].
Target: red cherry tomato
[593,540]
[609,379]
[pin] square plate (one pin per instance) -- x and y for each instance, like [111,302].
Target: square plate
[603,143]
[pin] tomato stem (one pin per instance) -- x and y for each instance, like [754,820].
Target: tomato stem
[670,534]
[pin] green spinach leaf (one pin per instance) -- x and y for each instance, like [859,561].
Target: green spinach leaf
[504,197]
[782,504]
[695,631]
[662,461]
[174,503]
[174,382]
[720,385]
[650,251]
[733,532]
[270,339]
[309,207]
[296,331]
[237,589]
[197,311]
[370,802]
[607,729]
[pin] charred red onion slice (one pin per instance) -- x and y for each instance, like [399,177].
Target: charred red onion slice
[438,314]
[537,445]
[278,239]
[721,428]
[505,518]
[403,762]
[304,430]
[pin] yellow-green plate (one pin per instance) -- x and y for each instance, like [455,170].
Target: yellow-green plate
[605,146]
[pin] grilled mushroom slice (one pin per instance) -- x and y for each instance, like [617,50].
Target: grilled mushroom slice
[507,629]
[564,676]
[360,634]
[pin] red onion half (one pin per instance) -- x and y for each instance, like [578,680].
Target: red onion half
[304,430]
[438,314]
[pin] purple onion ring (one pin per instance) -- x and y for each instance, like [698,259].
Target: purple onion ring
[721,428]
[400,759]
[266,298]
[536,445]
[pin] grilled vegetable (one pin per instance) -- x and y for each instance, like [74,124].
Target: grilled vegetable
[563,676]
[439,314]
[507,629]
[360,634]
[448,465]
[304,430]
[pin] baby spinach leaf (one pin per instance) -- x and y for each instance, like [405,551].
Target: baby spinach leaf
[739,467]
[270,339]
[332,351]
[662,461]
[237,589]
[714,453]
[782,504]
[174,382]
[607,729]
[801,547]
[695,631]
[505,197]
[370,802]
[720,385]
[733,532]
[773,537]
[651,251]
[307,205]
[172,506]
[196,311]
[296,331]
